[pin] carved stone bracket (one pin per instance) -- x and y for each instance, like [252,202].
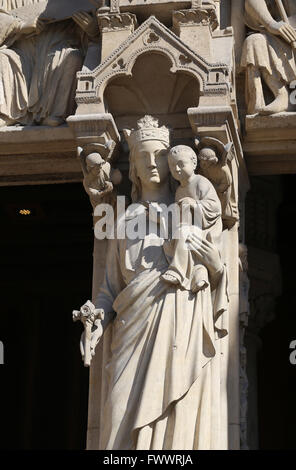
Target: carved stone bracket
[97,138]
[95,128]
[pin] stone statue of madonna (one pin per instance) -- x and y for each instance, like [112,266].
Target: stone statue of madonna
[161,351]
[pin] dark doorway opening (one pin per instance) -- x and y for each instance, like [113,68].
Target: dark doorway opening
[276,376]
[46,260]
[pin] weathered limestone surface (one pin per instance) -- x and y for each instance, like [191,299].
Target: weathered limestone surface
[128,96]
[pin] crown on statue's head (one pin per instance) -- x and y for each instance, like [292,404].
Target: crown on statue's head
[148,129]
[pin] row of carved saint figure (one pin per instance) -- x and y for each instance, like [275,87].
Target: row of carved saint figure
[39,62]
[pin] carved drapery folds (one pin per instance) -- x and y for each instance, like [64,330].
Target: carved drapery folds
[35,59]
[268,56]
[208,119]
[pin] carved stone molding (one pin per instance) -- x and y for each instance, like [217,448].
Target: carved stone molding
[264,141]
[116,22]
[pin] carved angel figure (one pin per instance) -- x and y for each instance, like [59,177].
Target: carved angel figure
[213,158]
[38,66]
[98,174]
[268,54]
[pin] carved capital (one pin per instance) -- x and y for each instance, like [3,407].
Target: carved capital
[202,16]
[117,22]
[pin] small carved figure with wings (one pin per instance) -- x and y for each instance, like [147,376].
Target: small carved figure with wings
[99,176]
[214,158]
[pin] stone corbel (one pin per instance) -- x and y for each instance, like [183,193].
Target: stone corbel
[97,141]
[95,128]
[195,27]
[215,128]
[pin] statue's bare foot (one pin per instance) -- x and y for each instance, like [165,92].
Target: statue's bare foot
[170,277]
[197,286]
[52,121]
[280,104]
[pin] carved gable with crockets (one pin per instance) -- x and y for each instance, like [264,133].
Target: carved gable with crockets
[153,37]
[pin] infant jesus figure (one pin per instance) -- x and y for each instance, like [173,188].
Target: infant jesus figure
[199,204]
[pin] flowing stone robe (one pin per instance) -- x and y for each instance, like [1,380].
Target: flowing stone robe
[59,56]
[38,74]
[161,360]
[267,51]
[16,65]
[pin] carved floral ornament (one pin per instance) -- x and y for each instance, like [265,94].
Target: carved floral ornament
[152,37]
[193,16]
[116,21]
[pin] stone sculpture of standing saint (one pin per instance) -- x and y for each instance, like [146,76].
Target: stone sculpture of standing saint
[161,361]
[268,56]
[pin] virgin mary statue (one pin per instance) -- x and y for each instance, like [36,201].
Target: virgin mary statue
[161,360]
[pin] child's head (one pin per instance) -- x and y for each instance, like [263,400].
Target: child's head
[182,162]
[93,160]
[207,157]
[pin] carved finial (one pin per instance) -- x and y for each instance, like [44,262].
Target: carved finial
[148,129]
[147,122]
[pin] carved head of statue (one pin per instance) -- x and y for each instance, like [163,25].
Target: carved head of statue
[148,146]
[207,157]
[94,159]
[182,162]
